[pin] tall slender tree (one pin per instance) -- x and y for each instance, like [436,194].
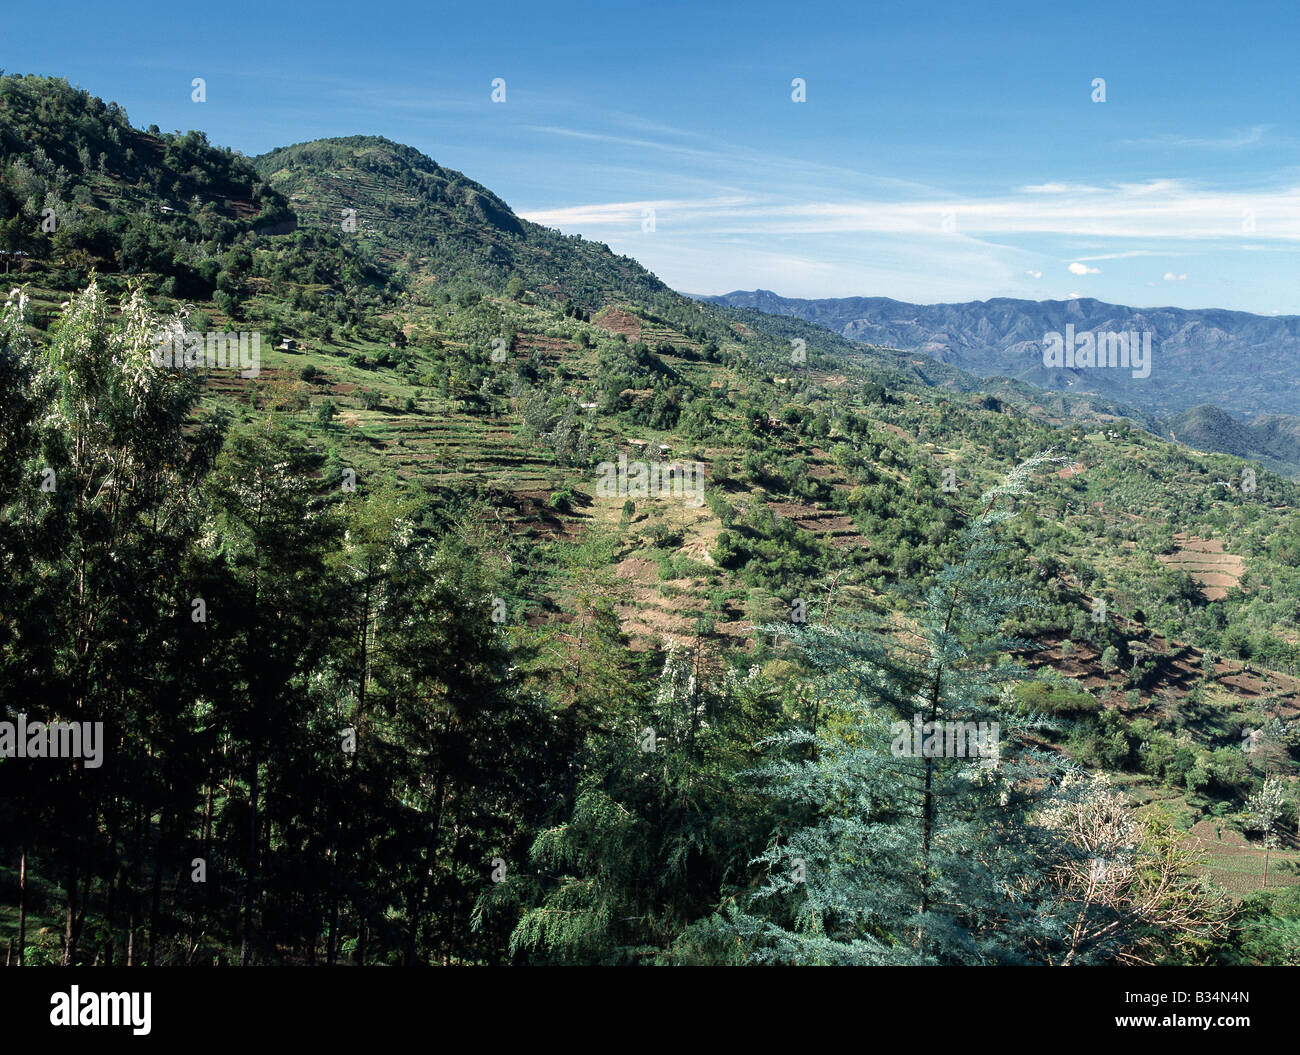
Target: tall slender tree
[905,830]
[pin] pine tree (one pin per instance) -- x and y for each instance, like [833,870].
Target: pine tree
[267,602]
[655,829]
[890,847]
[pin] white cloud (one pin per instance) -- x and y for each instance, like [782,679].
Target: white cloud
[1235,141]
[1128,254]
[1059,188]
[614,214]
[1074,296]
[1155,210]
[1171,277]
[714,237]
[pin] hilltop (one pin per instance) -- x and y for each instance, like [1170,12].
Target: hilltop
[1270,439]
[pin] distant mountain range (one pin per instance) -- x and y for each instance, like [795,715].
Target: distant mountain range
[1246,364]
[1224,381]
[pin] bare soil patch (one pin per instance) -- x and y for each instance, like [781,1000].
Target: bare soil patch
[1215,571]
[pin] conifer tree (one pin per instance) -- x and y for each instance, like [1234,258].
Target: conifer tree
[274,532]
[894,843]
[656,827]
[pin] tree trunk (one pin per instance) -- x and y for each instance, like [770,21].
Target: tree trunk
[425,881]
[332,948]
[22,905]
[927,821]
[246,946]
[69,916]
[156,898]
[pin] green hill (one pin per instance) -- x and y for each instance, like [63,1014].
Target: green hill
[1272,440]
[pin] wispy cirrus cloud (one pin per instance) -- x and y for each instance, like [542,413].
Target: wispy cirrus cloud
[1233,141]
[623,213]
[1059,188]
[936,247]
[1171,210]
[1128,254]
[736,161]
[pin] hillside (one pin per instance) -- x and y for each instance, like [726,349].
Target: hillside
[1272,440]
[442,391]
[436,221]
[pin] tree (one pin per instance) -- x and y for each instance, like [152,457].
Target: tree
[894,843]
[657,822]
[470,743]
[1264,810]
[18,380]
[273,534]
[1129,890]
[105,544]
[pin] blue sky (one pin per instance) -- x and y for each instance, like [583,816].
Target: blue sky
[945,151]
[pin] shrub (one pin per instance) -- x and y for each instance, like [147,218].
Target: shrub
[1043,698]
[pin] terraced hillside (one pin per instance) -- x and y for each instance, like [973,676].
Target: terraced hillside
[1215,572]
